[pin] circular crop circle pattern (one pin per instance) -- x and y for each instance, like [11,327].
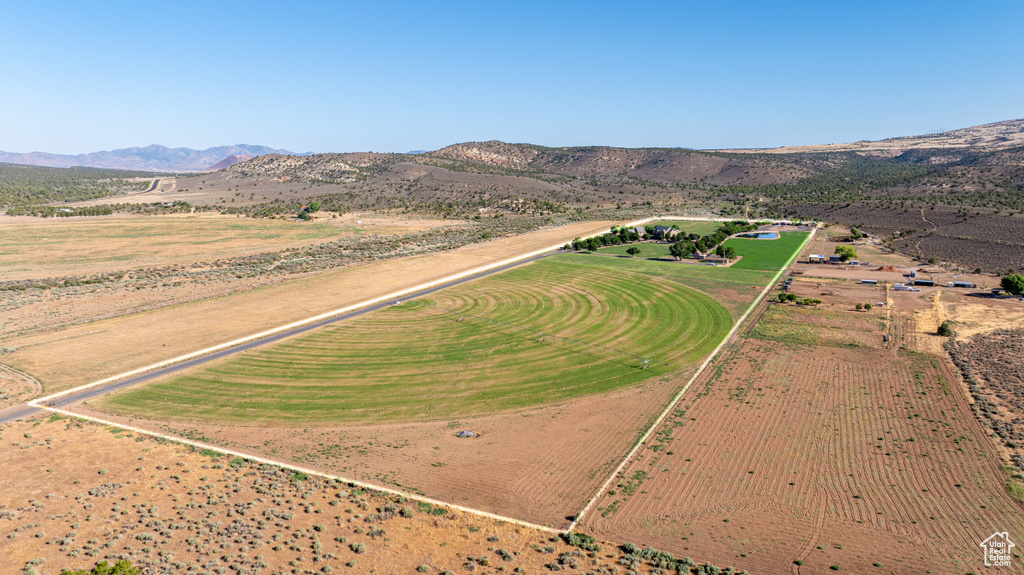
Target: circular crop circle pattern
[545,332]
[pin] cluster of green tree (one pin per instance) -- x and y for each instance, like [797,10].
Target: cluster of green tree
[1013,284]
[34,185]
[617,236]
[784,297]
[686,245]
[175,207]
[846,253]
[313,207]
[58,212]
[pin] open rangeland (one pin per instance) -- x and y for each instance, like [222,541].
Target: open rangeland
[33,248]
[106,347]
[811,446]
[170,509]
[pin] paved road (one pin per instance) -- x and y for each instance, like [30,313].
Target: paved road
[21,411]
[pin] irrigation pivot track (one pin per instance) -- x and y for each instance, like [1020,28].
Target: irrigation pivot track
[72,397]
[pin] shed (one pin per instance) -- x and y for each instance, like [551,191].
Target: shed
[871,282]
[835,259]
[964,284]
[816,259]
[920,282]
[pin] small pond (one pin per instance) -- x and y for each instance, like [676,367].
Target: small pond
[761,236]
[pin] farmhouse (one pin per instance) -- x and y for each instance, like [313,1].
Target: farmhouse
[640,231]
[664,232]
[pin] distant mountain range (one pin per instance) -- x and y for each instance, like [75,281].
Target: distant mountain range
[151,158]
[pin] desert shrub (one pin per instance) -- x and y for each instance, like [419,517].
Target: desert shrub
[945,330]
[122,567]
[358,547]
[582,540]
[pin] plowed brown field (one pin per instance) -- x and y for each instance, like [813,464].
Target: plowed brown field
[842,452]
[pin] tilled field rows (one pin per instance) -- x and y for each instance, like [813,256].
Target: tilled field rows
[829,456]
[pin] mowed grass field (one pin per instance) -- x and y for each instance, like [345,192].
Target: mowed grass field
[733,288]
[689,226]
[766,254]
[552,330]
[647,250]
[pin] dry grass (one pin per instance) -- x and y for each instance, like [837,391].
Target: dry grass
[47,247]
[103,348]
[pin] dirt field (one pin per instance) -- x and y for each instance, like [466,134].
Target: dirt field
[172,510]
[538,465]
[132,341]
[48,247]
[816,442]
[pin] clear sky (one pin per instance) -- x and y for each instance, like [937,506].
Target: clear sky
[82,76]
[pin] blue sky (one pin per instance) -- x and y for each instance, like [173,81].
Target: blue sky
[395,76]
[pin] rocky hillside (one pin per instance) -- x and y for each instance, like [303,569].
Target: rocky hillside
[986,137]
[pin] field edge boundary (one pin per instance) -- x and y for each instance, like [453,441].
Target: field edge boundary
[675,400]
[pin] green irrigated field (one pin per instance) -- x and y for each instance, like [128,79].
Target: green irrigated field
[690,227]
[647,250]
[548,331]
[733,288]
[766,254]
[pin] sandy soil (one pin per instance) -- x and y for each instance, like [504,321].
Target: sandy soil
[835,454]
[16,387]
[103,348]
[52,247]
[72,494]
[539,465]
